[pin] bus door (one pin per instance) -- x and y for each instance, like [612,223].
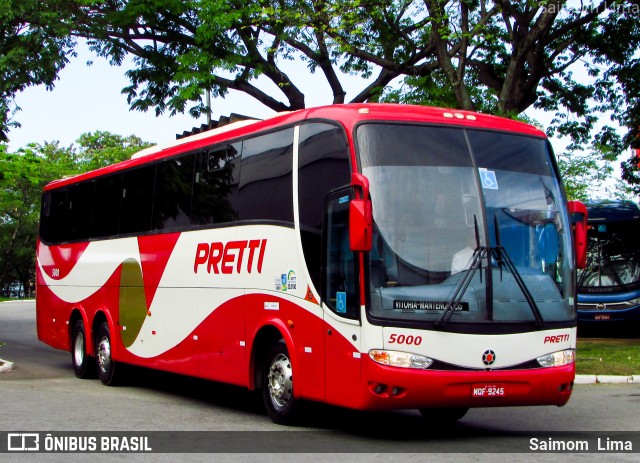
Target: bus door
[341,305]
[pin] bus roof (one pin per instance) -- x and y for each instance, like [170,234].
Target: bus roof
[612,210]
[348,115]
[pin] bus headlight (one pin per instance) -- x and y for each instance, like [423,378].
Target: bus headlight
[557,359]
[400,359]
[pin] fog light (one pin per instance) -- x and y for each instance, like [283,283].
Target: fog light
[379,389]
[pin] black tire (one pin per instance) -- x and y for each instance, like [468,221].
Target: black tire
[277,386]
[443,415]
[83,364]
[106,366]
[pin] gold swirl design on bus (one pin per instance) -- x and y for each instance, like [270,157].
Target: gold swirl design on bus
[133,302]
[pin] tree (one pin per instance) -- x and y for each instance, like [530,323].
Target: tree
[23,175]
[101,149]
[34,47]
[499,56]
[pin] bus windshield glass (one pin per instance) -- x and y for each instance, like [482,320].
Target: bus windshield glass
[613,256]
[477,214]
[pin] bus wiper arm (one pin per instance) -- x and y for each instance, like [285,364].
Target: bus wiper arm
[476,263]
[502,256]
[585,272]
[479,254]
[605,262]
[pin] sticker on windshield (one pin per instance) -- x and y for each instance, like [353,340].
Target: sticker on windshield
[341,302]
[488,179]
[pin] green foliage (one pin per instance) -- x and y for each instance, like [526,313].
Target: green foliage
[494,56]
[35,44]
[23,175]
[608,356]
[582,173]
[101,149]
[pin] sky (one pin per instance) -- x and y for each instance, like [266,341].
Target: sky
[88,99]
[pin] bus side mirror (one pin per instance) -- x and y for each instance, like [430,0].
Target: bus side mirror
[578,215]
[360,215]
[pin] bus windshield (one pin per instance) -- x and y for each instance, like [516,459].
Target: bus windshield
[445,196]
[613,256]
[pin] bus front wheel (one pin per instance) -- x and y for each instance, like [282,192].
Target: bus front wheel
[277,386]
[106,365]
[83,365]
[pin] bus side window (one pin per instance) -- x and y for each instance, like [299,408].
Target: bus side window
[172,194]
[340,267]
[323,166]
[80,199]
[106,206]
[265,191]
[137,200]
[215,185]
[54,215]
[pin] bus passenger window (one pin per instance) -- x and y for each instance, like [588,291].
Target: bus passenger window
[137,200]
[215,185]
[323,166]
[265,191]
[80,199]
[172,198]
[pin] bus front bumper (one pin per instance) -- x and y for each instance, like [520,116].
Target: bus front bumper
[603,308]
[402,388]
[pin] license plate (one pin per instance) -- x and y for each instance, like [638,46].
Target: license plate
[488,390]
[603,317]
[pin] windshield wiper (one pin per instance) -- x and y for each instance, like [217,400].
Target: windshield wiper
[585,273]
[605,262]
[479,254]
[501,256]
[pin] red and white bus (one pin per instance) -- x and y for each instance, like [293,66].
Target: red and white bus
[368,256]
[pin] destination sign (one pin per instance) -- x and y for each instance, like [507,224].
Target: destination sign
[412,306]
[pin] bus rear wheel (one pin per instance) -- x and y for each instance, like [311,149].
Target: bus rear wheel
[107,367]
[83,365]
[443,415]
[277,386]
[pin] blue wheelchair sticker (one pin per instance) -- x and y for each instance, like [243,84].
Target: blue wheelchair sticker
[488,179]
[341,302]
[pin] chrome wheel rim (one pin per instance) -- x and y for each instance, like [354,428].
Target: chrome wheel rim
[280,380]
[78,348]
[104,354]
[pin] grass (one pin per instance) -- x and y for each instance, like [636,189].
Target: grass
[603,356]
